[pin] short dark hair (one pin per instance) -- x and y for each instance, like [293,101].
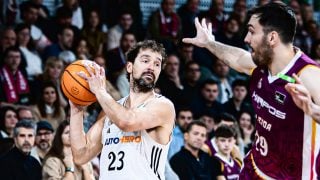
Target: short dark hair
[239,82]
[227,117]
[28,124]
[225,132]
[193,123]
[13,49]
[208,82]
[277,16]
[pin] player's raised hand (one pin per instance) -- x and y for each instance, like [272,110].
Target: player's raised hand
[300,95]
[204,34]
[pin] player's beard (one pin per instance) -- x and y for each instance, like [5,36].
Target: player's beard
[141,84]
[263,53]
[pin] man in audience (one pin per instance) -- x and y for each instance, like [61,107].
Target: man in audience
[18,163]
[43,141]
[191,162]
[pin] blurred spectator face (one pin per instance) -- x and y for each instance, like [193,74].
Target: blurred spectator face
[100,61]
[69,3]
[239,93]
[127,42]
[8,38]
[82,47]
[65,21]
[25,114]
[172,66]
[65,137]
[209,121]
[55,69]
[219,6]
[24,37]
[210,92]
[13,60]
[66,39]
[24,140]
[233,26]
[221,69]
[307,12]
[49,95]
[245,120]
[126,21]
[94,19]
[10,119]
[168,6]
[225,145]
[187,52]
[31,15]
[44,139]
[196,137]
[193,73]
[193,5]
[184,118]
[294,5]
[240,7]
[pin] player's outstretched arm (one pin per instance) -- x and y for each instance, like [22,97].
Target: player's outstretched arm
[236,58]
[84,146]
[305,92]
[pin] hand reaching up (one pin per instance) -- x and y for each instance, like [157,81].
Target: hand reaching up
[204,34]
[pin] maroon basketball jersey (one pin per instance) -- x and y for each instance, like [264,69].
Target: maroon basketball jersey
[230,168]
[286,143]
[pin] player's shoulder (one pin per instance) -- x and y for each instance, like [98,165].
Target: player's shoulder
[162,101]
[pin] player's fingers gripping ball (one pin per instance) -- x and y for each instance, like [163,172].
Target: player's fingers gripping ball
[74,87]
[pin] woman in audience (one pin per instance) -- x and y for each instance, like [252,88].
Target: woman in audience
[246,124]
[48,106]
[58,163]
[52,73]
[93,34]
[33,60]
[8,120]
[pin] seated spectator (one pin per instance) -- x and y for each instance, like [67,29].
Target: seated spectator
[115,32]
[81,49]
[191,162]
[207,102]
[92,32]
[8,38]
[24,112]
[18,163]
[165,26]
[184,117]
[14,86]
[227,167]
[43,141]
[237,103]
[58,163]
[53,70]
[48,106]
[31,56]
[8,120]
[65,42]
[247,128]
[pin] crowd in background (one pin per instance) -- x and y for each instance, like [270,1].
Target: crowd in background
[209,97]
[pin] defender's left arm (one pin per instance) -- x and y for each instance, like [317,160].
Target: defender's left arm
[305,92]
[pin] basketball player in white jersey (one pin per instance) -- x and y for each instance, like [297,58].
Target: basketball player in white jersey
[134,133]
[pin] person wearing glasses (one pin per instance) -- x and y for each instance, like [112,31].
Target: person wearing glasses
[43,140]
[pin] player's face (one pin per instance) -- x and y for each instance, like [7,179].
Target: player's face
[225,145]
[145,70]
[24,140]
[44,139]
[184,118]
[196,137]
[261,50]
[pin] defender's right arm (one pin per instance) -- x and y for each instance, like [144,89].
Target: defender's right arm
[237,58]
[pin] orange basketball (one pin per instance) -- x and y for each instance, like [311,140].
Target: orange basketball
[75,87]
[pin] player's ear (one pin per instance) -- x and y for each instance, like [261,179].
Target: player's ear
[129,67]
[273,38]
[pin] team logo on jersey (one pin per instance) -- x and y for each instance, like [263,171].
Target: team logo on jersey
[123,139]
[259,85]
[279,97]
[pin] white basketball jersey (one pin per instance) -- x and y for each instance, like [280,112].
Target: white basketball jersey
[131,155]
